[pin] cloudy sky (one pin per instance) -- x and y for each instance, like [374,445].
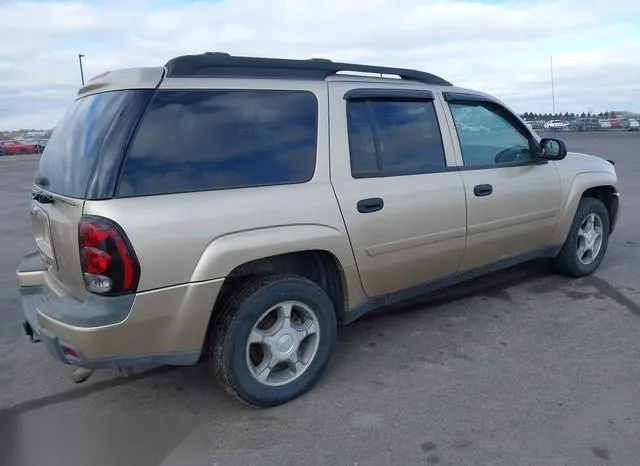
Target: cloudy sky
[499,46]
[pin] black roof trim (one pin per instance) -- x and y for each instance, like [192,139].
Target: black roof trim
[217,64]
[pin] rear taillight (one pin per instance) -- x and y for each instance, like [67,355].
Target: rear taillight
[109,264]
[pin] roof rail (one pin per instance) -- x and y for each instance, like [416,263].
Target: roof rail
[219,64]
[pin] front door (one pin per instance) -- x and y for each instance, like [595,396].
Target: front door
[402,199]
[513,198]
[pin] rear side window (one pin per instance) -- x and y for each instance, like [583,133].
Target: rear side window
[393,137]
[206,140]
[69,157]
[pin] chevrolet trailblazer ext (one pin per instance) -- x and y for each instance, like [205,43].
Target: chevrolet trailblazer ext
[238,209]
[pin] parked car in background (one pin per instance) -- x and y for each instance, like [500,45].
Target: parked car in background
[475,128]
[615,124]
[585,124]
[630,124]
[16,147]
[10,147]
[33,146]
[29,147]
[556,124]
[536,124]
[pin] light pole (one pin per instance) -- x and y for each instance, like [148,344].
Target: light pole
[80,57]
[553,97]
[553,92]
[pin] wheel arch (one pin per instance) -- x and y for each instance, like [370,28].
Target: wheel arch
[608,195]
[598,185]
[224,255]
[320,266]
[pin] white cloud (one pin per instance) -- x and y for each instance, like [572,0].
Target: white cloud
[499,47]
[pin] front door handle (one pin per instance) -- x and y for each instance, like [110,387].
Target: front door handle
[483,190]
[372,204]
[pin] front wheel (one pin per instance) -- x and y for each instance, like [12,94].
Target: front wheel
[587,241]
[273,339]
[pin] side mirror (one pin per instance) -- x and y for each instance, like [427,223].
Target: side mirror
[552,149]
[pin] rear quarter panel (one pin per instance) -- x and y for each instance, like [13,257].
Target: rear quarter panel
[200,236]
[193,237]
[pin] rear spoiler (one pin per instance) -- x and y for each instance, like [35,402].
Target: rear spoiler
[123,79]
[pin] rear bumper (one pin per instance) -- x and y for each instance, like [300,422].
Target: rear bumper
[63,353]
[165,326]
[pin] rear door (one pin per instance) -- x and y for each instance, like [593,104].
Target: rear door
[513,199]
[62,181]
[401,197]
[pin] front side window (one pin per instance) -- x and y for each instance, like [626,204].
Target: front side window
[393,137]
[205,140]
[487,137]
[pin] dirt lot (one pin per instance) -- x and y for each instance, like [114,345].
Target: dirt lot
[522,367]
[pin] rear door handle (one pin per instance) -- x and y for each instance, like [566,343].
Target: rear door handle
[483,190]
[372,204]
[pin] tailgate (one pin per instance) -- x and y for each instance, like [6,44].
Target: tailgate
[54,221]
[64,176]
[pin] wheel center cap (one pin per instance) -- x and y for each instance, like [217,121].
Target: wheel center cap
[284,344]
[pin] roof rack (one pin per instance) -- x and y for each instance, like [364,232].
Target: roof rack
[219,64]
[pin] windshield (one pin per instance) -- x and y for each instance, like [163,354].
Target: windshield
[70,154]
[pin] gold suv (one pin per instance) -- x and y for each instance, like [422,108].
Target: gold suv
[238,209]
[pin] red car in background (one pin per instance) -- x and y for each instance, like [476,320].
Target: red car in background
[9,148]
[16,147]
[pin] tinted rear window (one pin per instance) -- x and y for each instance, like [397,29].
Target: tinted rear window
[394,137]
[205,140]
[73,148]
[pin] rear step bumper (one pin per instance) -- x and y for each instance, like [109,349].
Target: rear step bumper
[158,327]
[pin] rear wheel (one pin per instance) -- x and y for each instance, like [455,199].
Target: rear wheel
[273,339]
[587,241]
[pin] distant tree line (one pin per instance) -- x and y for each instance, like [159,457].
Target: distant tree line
[566,116]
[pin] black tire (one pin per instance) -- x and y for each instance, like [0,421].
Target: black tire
[567,261]
[239,313]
